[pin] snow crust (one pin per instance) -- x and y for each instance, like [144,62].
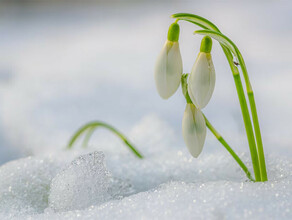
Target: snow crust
[85,182]
[25,184]
[167,184]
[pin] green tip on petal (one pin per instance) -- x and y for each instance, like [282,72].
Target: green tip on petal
[173,32]
[206,44]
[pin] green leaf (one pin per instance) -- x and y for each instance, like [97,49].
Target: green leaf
[91,127]
[200,21]
[211,30]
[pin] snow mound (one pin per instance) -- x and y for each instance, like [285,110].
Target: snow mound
[25,184]
[167,186]
[83,183]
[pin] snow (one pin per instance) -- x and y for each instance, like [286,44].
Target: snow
[172,185]
[167,184]
[85,182]
[61,66]
[180,200]
[25,184]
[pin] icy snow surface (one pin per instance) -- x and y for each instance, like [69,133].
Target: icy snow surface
[167,184]
[25,184]
[61,66]
[85,182]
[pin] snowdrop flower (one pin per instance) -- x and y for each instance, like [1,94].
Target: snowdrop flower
[194,129]
[202,77]
[168,68]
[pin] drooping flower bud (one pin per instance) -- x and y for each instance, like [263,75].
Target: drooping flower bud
[202,78]
[168,68]
[194,129]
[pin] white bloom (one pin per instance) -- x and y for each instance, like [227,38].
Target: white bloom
[202,80]
[168,69]
[194,129]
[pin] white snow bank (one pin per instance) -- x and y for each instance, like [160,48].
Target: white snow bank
[180,200]
[165,186]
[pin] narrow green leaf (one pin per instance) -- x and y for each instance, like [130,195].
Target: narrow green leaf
[91,127]
[198,20]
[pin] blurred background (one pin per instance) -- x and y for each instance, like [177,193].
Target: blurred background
[63,63]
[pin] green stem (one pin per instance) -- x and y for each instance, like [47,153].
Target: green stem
[245,114]
[258,168]
[94,125]
[184,85]
[228,148]
[250,93]
[257,130]
[233,48]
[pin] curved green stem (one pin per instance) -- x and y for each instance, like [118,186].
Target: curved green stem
[250,94]
[226,41]
[184,85]
[228,148]
[92,126]
[246,116]
[255,119]
[257,153]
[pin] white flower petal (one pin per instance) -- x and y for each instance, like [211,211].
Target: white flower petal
[202,80]
[194,129]
[168,69]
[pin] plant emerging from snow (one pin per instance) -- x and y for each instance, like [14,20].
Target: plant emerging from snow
[198,87]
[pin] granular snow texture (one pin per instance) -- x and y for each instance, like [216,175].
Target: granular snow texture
[172,185]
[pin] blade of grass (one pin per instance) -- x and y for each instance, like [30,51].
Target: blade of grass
[93,125]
